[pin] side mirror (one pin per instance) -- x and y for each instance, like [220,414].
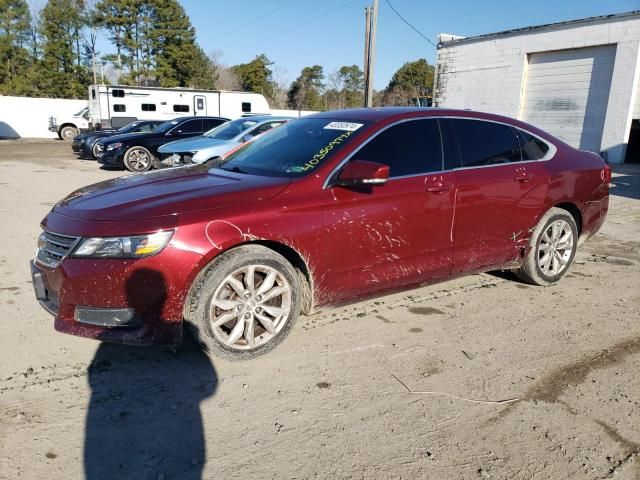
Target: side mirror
[361,172]
[247,137]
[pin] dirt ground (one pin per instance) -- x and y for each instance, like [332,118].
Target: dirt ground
[477,378]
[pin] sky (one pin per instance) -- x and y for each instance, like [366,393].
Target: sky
[299,33]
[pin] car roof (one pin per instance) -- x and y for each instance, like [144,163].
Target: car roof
[378,114]
[264,118]
[192,117]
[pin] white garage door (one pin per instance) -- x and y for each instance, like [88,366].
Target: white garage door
[567,92]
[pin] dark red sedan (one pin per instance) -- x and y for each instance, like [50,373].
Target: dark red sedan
[324,209]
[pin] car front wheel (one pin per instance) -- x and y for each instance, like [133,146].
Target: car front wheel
[138,159]
[68,133]
[553,248]
[245,304]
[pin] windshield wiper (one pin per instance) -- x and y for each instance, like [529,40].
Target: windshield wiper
[234,169]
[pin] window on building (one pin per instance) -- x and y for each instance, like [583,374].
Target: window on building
[486,143]
[148,107]
[93,93]
[117,93]
[118,107]
[181,108]
[246,107]
[409,148]
[200,104]
[532,148]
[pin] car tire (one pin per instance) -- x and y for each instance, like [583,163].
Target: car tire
[94,151]
[138,159]
[268,306]
[553,245]
[68,133]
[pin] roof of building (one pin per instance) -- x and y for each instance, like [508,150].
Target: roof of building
[517,31]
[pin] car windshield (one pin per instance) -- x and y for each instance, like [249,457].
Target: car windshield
[81,112]
[230,130]
[294,149]
[166,126]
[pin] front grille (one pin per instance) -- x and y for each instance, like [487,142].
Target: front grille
[53,247]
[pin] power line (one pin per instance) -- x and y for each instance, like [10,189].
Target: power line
[251,22]
[410,26]
[298,26]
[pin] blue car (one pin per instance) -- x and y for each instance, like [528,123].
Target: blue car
[218,141]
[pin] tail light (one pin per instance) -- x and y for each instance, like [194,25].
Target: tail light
[605,175]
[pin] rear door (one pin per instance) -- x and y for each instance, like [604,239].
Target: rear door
[398,233]
[499,196]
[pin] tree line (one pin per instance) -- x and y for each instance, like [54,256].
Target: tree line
[52,53]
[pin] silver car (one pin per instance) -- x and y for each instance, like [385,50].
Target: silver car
[218,141]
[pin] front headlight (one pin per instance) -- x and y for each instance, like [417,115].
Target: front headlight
[138,246]
[113,146]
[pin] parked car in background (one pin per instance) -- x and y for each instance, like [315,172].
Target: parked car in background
[217,142]
[137,151]
[68,127]
[86,144]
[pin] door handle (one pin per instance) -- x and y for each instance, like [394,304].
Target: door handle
[523,177]
[441,188]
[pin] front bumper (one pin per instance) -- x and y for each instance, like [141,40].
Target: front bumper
[112,158]
[136,302]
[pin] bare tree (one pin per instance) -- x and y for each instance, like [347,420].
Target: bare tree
[280,82]
[227,79]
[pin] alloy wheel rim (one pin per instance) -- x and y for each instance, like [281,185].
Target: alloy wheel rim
[555,248]
[250,307]
[68,134]
[138,159]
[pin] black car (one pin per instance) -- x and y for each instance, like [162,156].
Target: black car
[138,151]
[85,145]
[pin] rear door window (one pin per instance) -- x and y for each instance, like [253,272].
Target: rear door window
[409,148]
[484,143]
[210,123]
[190,126]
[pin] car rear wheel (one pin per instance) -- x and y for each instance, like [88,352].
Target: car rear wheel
[553,248]
[245,304]
[68,133]
[138,159]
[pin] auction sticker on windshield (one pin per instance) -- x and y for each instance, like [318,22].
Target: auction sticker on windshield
[348,126]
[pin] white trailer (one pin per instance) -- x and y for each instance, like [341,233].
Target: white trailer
[113,106]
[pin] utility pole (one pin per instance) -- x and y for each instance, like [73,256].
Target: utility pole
[367,30]
[370,48]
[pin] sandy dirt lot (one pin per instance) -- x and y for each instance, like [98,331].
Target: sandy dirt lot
[477,378]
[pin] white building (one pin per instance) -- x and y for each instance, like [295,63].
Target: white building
[578,80]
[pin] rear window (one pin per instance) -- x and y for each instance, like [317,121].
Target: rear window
[532,147]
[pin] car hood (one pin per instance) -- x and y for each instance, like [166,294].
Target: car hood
[193,144]
[168,192]
[98,134]
[123,137]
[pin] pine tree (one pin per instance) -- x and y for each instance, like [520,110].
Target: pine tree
[256,76]
[63,72]
[305,91]
[15,50]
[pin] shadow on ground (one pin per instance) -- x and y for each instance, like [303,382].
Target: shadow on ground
[626,181]
[144,420]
